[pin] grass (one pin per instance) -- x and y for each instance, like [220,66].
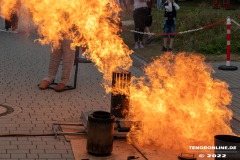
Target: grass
[192,15]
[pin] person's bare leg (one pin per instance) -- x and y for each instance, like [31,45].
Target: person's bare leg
[55,58]
[68,61]
[171,42]
[164,44]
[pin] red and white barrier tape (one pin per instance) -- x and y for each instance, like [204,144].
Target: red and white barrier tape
[177,33]
[138,31]
[235,22]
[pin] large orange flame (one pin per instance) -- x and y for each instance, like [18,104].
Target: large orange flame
[91,23]
[7,7]
[177,101]
[179,104]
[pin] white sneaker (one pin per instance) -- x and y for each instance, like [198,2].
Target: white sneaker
[141,45]
[136,46]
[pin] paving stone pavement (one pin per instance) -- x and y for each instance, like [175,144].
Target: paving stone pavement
[232,78]
[23,64]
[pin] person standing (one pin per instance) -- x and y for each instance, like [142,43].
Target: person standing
[140,13]
[149,20]
[65,52]
[170,14]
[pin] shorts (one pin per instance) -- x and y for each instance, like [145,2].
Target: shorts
[169,28]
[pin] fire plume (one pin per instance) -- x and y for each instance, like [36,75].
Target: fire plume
[90,23]
[179,104]
[177,101]
[7,7]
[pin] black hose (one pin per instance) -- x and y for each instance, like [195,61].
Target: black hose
[36,135]
[26,135]
[140,152]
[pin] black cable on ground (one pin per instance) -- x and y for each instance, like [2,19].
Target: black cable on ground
[140,152]
[26,135]
[38,135]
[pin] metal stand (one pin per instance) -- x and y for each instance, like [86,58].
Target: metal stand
[120,102]
[228,68]
[121,127]
[57,130]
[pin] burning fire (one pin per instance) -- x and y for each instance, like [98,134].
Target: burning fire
[91,23]
[179,104]
[6,7]
[177,101]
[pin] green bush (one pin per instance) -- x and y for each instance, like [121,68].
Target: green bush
[193,15]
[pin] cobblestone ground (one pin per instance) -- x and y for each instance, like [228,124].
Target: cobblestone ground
[23,64]
[232,78]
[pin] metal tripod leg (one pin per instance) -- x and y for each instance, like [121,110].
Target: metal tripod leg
[57,132]
[76,65]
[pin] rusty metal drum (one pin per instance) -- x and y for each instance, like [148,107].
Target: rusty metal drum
[100,133]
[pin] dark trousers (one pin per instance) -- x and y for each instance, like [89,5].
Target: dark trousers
[140,17]
[7,24]
[12,23]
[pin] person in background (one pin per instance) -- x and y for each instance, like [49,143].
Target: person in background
[140,13]
[8,24]
[12,23]
[159,4]
[149,20]
[65,52]
[170,14]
